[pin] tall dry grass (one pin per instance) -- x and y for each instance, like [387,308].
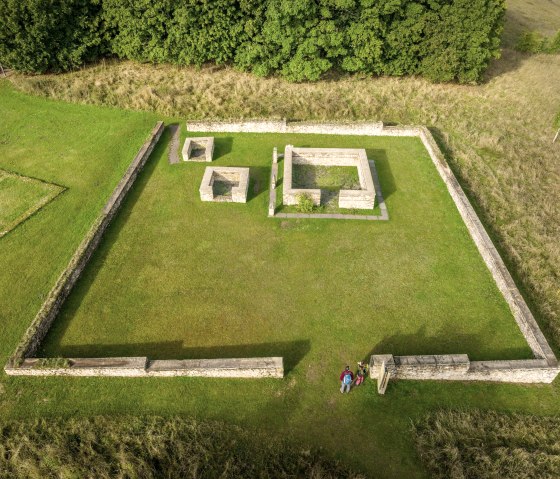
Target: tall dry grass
[488,445]
[152,447]
[498,135]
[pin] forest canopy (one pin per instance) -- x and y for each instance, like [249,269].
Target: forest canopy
[300,40]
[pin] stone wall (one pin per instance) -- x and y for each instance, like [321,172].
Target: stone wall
[458,367]
[272,367]
[363,198]
[282,126]
[51,306]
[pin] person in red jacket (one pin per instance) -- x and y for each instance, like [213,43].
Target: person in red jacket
[346,378]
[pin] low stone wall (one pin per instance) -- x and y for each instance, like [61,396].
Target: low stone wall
[51,306]
[237,177]
[272,367]
[363,198]
[282,126]
[458,367]
[201,143]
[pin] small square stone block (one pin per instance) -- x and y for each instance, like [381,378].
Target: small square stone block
[239,178]
[198,148]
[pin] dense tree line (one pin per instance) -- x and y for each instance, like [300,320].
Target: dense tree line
[300,40]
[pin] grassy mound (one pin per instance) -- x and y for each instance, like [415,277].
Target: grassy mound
[488,445]
[130,447]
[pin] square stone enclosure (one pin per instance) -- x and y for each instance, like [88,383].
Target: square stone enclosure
[198,148]
[225,183]
[364,198]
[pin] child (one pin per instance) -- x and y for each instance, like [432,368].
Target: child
[362,373]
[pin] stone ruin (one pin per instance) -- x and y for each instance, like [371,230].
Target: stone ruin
[198,148]
[225,183]
[364,198]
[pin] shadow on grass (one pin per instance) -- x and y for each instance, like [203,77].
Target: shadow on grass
[259,181]
[222,147]
[386,178]
[447,341]
[292,351]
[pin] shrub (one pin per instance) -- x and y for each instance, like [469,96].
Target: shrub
[300,40]
[50,35]
[535,42]
[531,42]
[305,203]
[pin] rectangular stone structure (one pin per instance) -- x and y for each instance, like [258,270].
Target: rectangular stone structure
[364,198]
[267,367]
[198,148]
[237,178]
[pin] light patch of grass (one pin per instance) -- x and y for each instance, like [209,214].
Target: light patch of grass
[21,197]
[541,16]
[488,445]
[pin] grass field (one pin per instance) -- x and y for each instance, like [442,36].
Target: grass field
[498,135]
[370,433]
[21,197]
[153,448]
[198,280]
[486,445]
[498,139]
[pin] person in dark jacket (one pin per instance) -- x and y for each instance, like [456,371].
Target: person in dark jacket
[346,378]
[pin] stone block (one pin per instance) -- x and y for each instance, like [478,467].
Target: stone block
[198,148]
[234,182]
[364,198]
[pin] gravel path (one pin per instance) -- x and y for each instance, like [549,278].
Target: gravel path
[174,144]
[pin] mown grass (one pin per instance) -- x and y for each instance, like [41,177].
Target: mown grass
[487,445]
[325,177]
[20,197]
[497,135]
[221,279]
[153,447]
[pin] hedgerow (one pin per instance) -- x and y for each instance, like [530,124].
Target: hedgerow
[300,40]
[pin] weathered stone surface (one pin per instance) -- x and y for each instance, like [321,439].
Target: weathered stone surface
[238,177]
[198,148]
[458,367]
[272,367]
[364,198]
[122,367]
[281,126]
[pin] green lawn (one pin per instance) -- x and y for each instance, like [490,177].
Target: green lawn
[20,197]
[176,277]
[179,278]
[325,177]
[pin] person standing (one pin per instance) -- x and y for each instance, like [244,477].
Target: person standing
[346,378]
